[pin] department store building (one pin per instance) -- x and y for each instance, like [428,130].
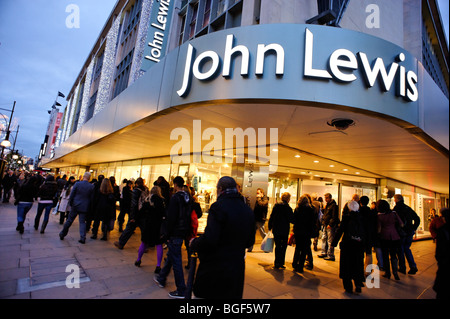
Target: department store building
[303,96]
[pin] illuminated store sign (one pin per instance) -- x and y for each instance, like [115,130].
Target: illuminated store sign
[342,66]
[158,31]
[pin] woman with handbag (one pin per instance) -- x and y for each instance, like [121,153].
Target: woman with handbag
[280,223]
[64,207]
[388,221]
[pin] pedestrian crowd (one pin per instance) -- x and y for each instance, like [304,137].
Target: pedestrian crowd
[168,217]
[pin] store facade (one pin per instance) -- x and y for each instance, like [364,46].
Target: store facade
[320,110]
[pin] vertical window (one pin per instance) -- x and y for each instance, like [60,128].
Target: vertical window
[207,14]
[193,21]
[183,24]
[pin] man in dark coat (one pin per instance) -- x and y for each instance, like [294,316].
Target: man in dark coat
[280,224]
[411,221]
[221,249]
[8,184]
[330,223]
[80,201]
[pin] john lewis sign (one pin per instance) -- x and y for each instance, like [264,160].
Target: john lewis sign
[343,66]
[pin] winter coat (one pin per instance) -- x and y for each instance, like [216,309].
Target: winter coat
[64,201]
[260,210]
[82,196]
[229,231]
[47,191]
[370,221]
[152,219]
[27,192]
[331,214]
[387,225]
[106,207]
[280,220]
[351,264]
[304,221]
[409,217]
[179,215]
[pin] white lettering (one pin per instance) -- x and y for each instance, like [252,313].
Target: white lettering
[187,71]
[336,64]
[229,51]
[412,92]
[309,71]
[199,60]
[262,49]
[341,66]
[371,74]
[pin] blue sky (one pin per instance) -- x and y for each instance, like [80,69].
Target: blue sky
[40,55]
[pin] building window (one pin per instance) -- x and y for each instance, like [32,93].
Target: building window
[200,17]
[207,14]
[77,109]
[430,61]
[183,25]
[193,21]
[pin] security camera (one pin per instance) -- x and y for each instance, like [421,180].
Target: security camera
[341,124]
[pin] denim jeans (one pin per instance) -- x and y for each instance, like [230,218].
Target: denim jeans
[327,239]
[405,251]
[22,210]
[82,221]
[174,259]
[40,209]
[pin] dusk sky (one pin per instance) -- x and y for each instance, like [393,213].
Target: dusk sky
[40,55]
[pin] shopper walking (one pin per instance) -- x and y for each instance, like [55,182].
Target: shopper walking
[47,200]
[64,207]
[24,199]
[304,225]
[221,249]
[370,221]
[153,212]
[411,222]
[8,182]
[280,224]
[134,220]
[80,201]
[352,246]
[178,223]
[389,237]
[105,210]
[125,203]
[330,223]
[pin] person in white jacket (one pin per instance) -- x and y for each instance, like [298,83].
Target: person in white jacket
[64,207]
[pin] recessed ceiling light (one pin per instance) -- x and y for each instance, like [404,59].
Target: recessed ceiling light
[331,165]
[316,162]
[275,149]
[297,156]
[357,173]
[345,169]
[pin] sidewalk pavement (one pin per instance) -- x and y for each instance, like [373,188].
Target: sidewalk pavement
[33,266]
